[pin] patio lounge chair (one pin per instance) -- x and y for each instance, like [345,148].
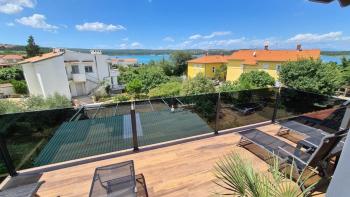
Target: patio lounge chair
[23,185]
[114,180]
[288,153]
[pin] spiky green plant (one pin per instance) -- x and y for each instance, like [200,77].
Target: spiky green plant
[239,178]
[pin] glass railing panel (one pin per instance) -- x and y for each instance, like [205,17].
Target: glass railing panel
[175,118]
[245,107]
[319,111]
[27,133]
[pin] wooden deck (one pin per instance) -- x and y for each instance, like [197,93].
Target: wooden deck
[179,170]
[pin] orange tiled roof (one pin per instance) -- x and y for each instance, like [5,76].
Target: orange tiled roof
[250,57]
[41,57]
[210,59]
[13,57]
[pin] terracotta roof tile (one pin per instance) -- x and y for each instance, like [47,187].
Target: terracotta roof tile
[251,56]
[210,59]
[41,57]
[13,56]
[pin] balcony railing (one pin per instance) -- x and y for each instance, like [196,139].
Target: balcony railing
[45,137]
[77,77]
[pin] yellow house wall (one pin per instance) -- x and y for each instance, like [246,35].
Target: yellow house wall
[194,69]
[209,70]
[234,70]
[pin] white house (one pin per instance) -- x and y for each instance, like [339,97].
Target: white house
[67,72]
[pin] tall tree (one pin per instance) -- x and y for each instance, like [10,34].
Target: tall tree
[179,60]
[32,49]
[311,76]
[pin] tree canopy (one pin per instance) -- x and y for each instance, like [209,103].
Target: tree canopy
[148,76]
[171,88]
[198,85]
[311,76]
[179,62]
[259,79]
[32,49]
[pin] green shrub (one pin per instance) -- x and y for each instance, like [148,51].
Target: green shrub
[40,103]
[57,101]
[172,88]
[20,86]
[198,85]
[121,97]
[7,106]
[11,73]
[259,79]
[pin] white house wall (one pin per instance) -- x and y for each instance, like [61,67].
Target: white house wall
[53,76]
[31,79]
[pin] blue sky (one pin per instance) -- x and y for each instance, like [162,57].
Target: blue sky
[175,24]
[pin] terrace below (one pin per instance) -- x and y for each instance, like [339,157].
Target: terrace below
[179,170]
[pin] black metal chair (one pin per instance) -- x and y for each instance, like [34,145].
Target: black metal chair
[114,180]
[288,153]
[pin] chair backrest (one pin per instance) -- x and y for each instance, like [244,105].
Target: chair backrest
[121,171]
[323,151]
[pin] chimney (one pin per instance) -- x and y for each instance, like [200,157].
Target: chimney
[299,47]
[266,45]
[254,53]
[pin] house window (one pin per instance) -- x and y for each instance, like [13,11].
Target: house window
[213,69]
[88,69]
[278,67]
[75,69]
[265,66]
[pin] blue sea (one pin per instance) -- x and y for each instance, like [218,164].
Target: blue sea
[144,59]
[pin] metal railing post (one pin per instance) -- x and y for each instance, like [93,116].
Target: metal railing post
[134,127]
[275,109]
[7,158]
[217,118]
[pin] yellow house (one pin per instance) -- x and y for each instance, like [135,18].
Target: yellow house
[207,65]
[266,60]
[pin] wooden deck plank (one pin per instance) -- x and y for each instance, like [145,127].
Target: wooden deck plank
[179,170]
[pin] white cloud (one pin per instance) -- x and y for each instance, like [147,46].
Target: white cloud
[99,27]
[168,39]
[37,21]
[125,39]
[309,37]
[15,6]
[136,45]
[212,35]
[10,24]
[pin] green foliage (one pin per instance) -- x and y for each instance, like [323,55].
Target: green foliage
[345,71]
[20,86]
[7,106]
[121,97]
[239,178]
[179,60]
[220,73]
[168,89]
[148,76]
[40,103]
[235,86]
[134,87]
[311,76]
[198,85]
[11,73]
[259,79]
[32,49]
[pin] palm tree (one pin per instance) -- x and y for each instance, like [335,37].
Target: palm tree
[239,178]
